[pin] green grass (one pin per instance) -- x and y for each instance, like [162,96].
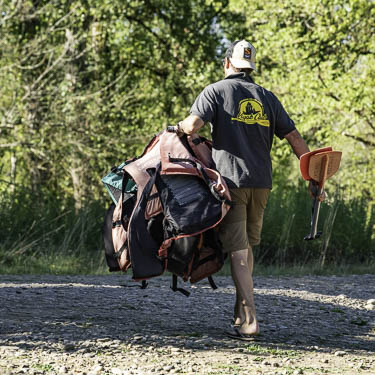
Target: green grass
[348,228]
[95,265]
[46,236]
[56,264]
[313,268]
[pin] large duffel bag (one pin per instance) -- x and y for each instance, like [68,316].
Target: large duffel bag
[168,204]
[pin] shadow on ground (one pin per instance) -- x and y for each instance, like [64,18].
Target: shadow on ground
[75,313]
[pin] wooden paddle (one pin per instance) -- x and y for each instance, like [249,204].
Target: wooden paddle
[318,165]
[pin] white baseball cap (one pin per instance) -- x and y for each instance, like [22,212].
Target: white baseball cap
[241,54]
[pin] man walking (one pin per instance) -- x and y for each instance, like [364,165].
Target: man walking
[244,118]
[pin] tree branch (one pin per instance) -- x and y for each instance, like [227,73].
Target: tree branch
[161,40]
[9,145]
[359,139]
[208,20]
[324,84]
[367,120]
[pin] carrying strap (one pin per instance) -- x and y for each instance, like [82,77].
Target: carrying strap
[197,141]
[207,259]
[212,282]
[176,289]
[184,291]
[118,254]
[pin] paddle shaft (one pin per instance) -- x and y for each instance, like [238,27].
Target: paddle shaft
[316,201]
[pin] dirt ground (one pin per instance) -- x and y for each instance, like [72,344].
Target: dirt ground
[108,325]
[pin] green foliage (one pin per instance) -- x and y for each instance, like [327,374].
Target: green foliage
[89,82]
[46,236]
[84,85]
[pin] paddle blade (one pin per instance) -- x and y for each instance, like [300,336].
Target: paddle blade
[316,163]
[304,161]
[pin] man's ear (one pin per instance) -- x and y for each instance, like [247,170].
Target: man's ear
[227,63]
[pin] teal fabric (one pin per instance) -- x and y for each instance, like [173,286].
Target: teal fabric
[114,180]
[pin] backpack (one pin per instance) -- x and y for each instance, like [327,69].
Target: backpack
[167,204]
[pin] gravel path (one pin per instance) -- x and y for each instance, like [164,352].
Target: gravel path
[107,325]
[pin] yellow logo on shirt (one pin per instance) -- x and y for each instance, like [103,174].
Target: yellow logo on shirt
[250,111]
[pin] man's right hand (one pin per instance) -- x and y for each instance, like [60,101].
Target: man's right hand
[314,191]
[175,129]
[172,129]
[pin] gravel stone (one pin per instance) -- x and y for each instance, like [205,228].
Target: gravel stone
[107,325]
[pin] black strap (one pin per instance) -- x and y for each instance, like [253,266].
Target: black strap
[122,249]
[176,289]
[144,284]
[117,223]
[212,282]
[207,259]
[197,141]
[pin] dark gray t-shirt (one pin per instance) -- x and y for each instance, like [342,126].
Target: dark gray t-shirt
[244,118]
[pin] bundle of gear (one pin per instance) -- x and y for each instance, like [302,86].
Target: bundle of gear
[167,204]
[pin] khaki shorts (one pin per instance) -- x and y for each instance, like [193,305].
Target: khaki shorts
[242,225]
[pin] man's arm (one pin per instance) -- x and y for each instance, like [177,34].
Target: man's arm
[297,143]
[191,124]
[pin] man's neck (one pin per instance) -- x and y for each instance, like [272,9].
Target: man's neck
[229,72]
